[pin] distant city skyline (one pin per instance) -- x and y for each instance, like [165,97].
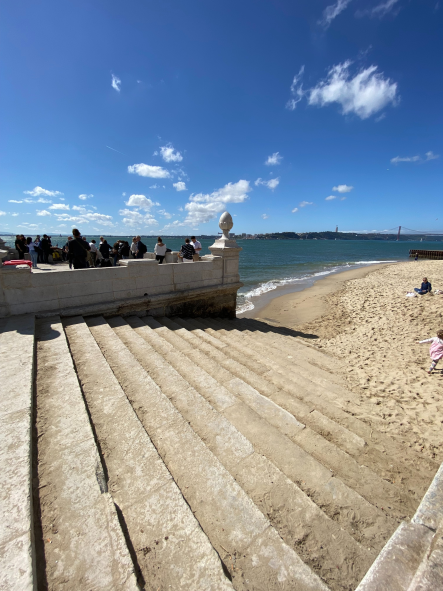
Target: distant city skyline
[154,118]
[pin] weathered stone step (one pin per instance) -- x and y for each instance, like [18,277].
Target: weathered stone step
[429,575]
[292,340]
[84,546]
[318,541]
[170,547]
[252,551]
[423,468]
[17,554]
[333,496]
[272,384]
[280,352]
[377,491]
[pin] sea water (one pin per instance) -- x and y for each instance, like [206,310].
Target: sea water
[266,265]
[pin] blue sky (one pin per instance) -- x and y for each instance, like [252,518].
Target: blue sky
[154,116]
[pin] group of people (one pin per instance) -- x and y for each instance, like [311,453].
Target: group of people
[81,254]
[38,249]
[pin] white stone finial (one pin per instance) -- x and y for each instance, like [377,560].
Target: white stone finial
[225,224]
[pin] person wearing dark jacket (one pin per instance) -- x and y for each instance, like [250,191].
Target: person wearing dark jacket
[124,250]
[187,251]
[104,248]
[20,246]
[141,248]
[78,249]
[426,287]
[45,245]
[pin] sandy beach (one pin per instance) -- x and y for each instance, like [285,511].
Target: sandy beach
[363,318]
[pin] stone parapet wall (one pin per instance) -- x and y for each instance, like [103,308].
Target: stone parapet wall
[136,285]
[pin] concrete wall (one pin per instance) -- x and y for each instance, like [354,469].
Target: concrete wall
[200,288]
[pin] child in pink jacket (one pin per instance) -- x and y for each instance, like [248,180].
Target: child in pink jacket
[436,349]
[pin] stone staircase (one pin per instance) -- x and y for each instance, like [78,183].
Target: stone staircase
[204,454]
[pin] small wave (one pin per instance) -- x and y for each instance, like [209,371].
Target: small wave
[247,305]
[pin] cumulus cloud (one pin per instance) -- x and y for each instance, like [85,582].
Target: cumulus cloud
[37,191]
[165,214]
[330,198]
[2,212]
[343,188]
[140,201]
[378,11]
[305,203]
[14,215]
[264,216]
[274,159]
[84,196]
[43,212]
[135,219]
[116,83]
[363,94]
[169,155]
[59,206]
[332,11]
[180,186]
[271,184]
[295,210]
[14,201]
[155,172]
[204,207]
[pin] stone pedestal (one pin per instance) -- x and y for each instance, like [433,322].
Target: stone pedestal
[228,249]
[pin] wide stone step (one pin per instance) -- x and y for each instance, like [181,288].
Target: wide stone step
[251,549]
[373,488]
[17,556]
[292,340]
[327,491]
[84,546]
[271,383]
[170,548]
[316,541]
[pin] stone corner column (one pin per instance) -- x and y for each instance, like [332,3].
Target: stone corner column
[228,249]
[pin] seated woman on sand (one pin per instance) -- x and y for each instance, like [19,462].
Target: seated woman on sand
[426,287]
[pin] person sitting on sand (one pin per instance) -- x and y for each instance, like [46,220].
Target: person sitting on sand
[435,350]
[426,287]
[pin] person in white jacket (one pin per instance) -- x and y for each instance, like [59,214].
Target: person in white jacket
[160,250]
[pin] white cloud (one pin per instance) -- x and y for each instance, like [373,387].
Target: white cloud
[364,94]
[140,201]
[204,207]
[274,159]
[2,212]
[164,213]
[295,210]
[180,186]
[332,11]
[43,212]
[342,198]
[155,172]
[124,194]
[330,198]
[271,184]
[116,83]
[398,159]
[135,219]
[264,216]
[305,203]
[432,156]
[155,186]
[297,91]
[379,11]
[36,191]
[14,201]
[343,188]
[59,206]
[14,215]
[168,154]
[84,196]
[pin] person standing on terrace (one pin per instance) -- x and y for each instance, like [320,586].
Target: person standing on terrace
[160,250]
[19,246]
[32,252]
[78,250]
[196,244]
